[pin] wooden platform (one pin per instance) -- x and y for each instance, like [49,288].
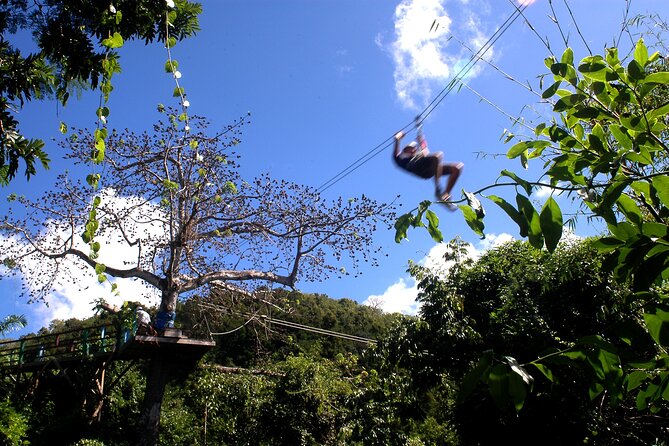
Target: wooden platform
[172,345]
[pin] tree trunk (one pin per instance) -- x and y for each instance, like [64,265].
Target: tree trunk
[156,380]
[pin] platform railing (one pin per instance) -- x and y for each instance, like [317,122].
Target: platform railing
[77,343]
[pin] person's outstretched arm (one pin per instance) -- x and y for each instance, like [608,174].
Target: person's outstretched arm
[398,138]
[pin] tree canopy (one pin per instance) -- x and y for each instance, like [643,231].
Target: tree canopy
[175,195]
[77,47]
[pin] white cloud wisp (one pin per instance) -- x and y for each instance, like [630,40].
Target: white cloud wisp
[423,51]
[400,297]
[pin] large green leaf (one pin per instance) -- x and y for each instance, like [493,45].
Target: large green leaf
[433,226]
[473,377]
[525,184]
[641,53]
[657,322]
[661,185]
[115,41]
[402,226]
[620,133]
[661,77]
[551,223]
[568,102]
[498,384]
[607,244]
[534,235]
[473,219]
[629,207]
[511,211]
[659,111]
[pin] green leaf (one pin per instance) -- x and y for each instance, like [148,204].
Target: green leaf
[636,378]
[402,226]
[534,235]
[433,226]
[595,69]
[511,211]
[544,370]
[474,376]
[517,391]
[657,322]
[661,185]
[93,180]
[115,41]
[635,71]
[100,268]
[568,102]
[607,244]
[498,384]
[474,203]
[525,184]
[551,224]
[641,53]
[629,207]
[171,41]
[102,111]
[595,390]
[178,92]
[568,56]
[62,127]
[550,91]
[661,77]
[472,219]
[620,133]
[659,111]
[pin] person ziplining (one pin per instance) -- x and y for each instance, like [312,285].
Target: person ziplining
[417,159]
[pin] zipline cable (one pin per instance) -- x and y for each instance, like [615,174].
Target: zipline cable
[380,148]
[297,326]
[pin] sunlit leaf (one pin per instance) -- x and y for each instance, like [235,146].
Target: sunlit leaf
[661,185]
[474,222]
[661,77]
[551,223]
[433,226]
[511,211]
[115,41]
[641,53]
[525,184]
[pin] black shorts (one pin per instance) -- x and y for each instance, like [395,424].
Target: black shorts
[423,166]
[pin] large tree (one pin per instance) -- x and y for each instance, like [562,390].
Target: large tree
[193,221]
[77,47]
[500,311]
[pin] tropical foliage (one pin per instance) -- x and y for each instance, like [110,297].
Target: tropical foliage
[77,46]
[609,147]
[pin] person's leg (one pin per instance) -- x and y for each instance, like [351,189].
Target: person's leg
[453,171]
[436,167]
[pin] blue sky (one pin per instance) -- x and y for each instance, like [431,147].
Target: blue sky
[326,82]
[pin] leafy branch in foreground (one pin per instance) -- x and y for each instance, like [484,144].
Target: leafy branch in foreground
[609,144]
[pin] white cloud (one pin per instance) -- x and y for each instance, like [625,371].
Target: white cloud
[526,2]
[400,297]
[76,286]
[425,56]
